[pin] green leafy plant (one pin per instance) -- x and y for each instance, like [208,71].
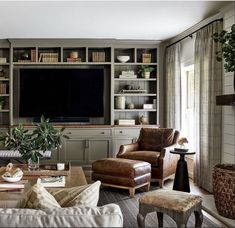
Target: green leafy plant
[144,68]
[227,40]
[32,145]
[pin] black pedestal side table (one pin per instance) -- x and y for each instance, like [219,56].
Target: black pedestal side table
[181,181]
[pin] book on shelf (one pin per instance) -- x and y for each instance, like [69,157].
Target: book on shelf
[127,76]
[52,181]
[12,185]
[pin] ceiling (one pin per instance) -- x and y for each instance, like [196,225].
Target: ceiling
[141,20]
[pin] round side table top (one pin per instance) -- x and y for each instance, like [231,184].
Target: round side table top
[182,152]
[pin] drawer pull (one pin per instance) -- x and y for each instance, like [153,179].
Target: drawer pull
[120,132]
[102,132]
[69,133]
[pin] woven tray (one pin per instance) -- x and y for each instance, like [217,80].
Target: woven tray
[46,170]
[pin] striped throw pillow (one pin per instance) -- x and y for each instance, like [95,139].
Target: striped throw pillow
[87,195]
[37,198]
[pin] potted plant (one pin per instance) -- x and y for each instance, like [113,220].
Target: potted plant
[227,40]
[32,145]
[145,70]
[2,101]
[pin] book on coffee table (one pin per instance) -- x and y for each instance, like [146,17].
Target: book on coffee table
[12,185]
[52,181]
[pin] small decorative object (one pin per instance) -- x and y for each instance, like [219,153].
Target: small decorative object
[120,102]
[25,56]
[128,87]
[2,73]
[227,50]
[2,102]
[60,166]
[32,145]
[182,142]
[131,106]
[123,58]
[73,55]
[3,60]
[143,120]
[12,175]
[145,71]
[223,180]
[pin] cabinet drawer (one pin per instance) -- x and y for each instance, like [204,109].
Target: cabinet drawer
[126,132]
[88,132]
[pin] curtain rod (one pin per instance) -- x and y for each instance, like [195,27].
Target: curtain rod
[190,35]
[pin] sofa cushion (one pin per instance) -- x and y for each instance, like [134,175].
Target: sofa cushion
[106,216]
[155,139]
[147,156]
[87,195]
[37,197]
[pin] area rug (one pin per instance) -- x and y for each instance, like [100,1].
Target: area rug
[129,208]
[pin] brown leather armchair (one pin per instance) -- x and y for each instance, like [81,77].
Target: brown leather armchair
[153,146]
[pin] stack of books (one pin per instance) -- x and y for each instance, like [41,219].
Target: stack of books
[12,186]
[48,57]
[98,56]
[128,74]
[33,55]
[72,60]
[3,88]
[52,181]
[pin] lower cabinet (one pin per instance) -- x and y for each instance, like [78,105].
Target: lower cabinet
[85,146]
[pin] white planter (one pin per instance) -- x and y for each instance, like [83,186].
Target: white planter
[146,74]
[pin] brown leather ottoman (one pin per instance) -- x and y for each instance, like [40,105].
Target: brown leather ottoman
[122,173]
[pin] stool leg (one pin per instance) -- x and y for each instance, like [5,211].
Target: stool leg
[141,220]
[198,218]
[132,192]
[160,219]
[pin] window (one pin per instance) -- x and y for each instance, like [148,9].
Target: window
[188,119]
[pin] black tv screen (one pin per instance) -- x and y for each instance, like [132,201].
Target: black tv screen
[61,93]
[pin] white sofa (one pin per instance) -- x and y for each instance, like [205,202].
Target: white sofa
[106,216]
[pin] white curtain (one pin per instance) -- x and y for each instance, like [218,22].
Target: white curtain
[173,87]
[208,84]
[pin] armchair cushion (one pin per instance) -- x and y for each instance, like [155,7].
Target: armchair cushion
[153,140]
[148,156]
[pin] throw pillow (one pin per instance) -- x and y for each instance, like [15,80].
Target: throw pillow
[87,195]
[38,198]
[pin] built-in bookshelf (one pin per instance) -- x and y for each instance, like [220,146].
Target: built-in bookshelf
[4,83]
[140,94]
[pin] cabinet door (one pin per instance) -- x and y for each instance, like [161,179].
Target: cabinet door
[74,151]
[98,149]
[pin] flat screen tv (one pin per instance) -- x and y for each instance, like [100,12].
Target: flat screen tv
[61,93]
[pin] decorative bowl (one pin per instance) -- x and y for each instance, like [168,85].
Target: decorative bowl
[123,58]
[11,179]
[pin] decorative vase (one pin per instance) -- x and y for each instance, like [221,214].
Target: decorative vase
[33,164]
[120,102]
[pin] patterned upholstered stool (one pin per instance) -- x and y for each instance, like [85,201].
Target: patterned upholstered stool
[178,205]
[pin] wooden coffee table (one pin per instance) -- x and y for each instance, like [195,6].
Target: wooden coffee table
[75,178]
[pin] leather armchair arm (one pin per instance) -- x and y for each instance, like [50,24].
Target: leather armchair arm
[128,148]
[168,161]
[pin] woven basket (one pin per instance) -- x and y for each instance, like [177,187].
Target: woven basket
[224,189]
